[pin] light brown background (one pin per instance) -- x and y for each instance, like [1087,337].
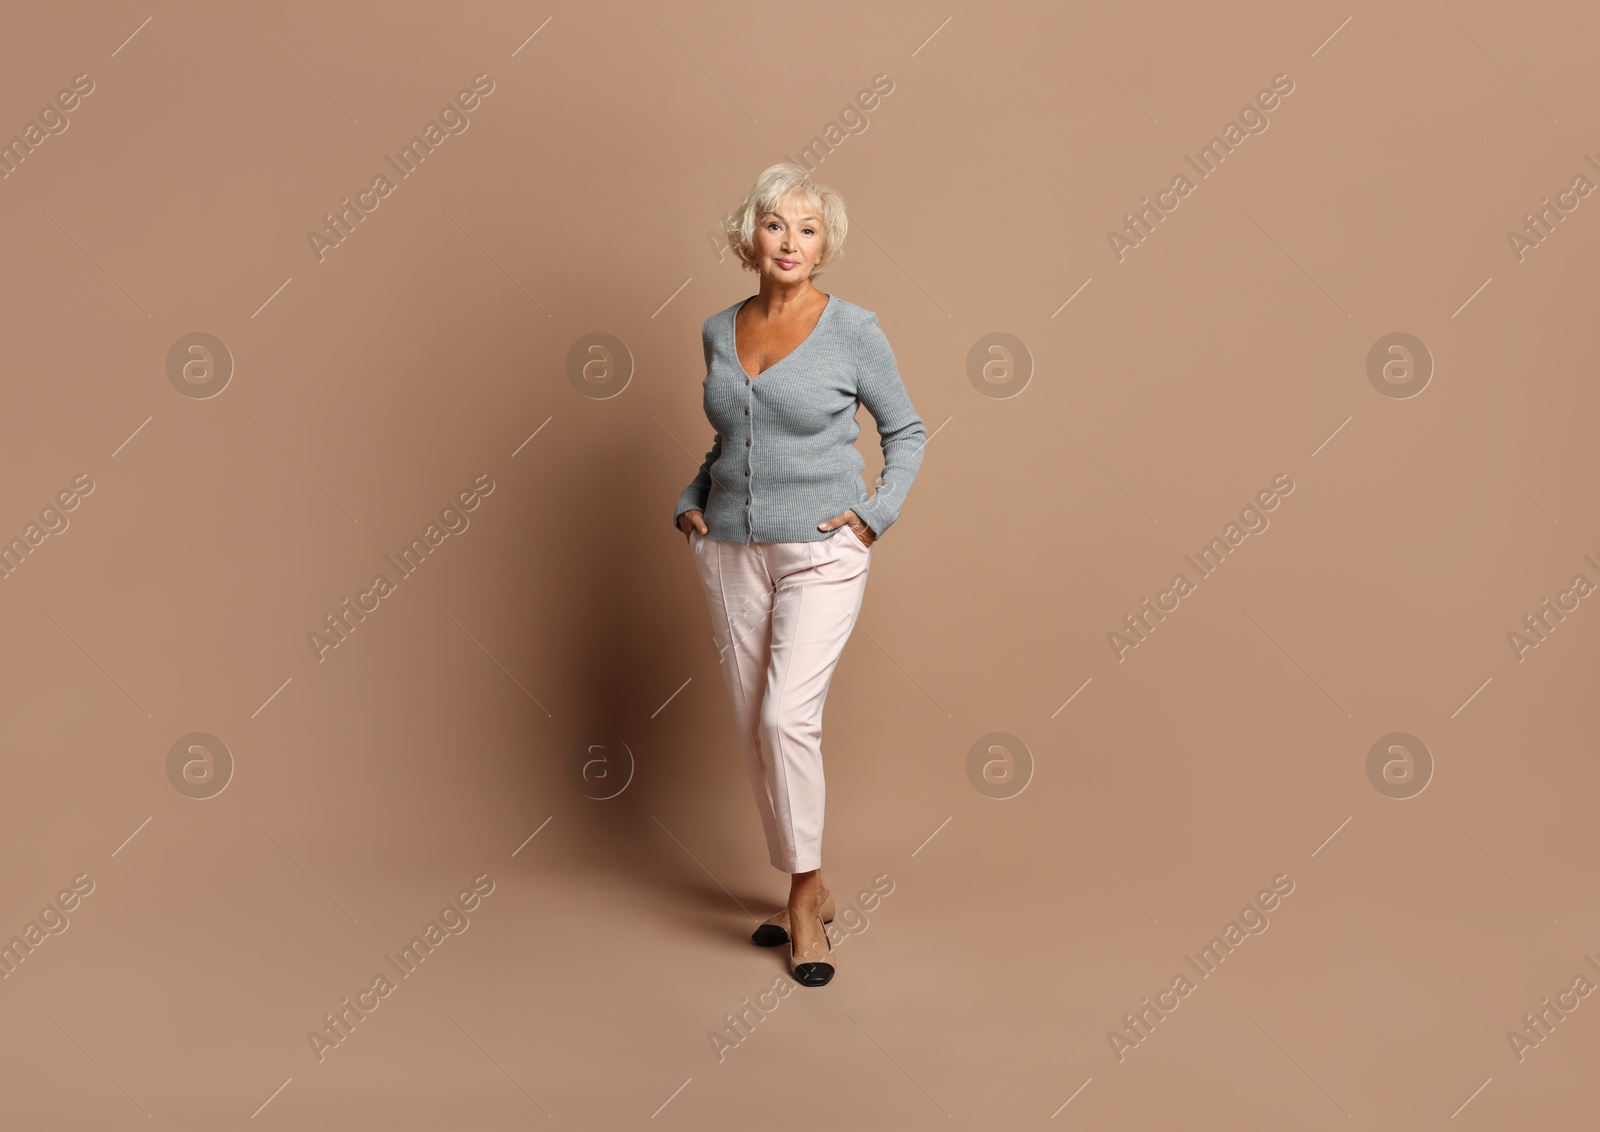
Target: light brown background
[423,752]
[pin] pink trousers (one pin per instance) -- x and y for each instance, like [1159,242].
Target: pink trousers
[781,613]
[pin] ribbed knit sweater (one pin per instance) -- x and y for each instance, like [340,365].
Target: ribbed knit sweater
[784,458]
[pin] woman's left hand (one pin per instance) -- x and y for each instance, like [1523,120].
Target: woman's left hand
[850,518]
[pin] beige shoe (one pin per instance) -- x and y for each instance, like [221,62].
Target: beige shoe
[815,967]
[774,930]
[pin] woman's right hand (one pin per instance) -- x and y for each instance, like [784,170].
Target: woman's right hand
[691,521]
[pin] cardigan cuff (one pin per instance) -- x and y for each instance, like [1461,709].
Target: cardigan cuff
[878,521]
[685,505]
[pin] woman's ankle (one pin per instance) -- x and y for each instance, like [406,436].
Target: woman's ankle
[808,898]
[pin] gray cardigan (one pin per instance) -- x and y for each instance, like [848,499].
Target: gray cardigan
[784,457]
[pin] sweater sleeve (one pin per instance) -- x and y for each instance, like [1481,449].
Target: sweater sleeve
[694,496]
[901,432]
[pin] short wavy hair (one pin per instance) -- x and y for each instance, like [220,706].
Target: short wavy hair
[776,184]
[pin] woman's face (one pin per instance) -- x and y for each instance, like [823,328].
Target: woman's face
[789,241]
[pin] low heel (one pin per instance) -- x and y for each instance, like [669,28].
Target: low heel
[774,930]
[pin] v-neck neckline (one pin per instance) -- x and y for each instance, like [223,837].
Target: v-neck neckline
[733,335]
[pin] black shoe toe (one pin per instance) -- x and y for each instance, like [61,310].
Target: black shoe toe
[813,974]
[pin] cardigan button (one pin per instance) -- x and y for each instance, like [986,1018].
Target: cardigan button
[747,444]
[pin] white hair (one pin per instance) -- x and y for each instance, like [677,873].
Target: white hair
[776,184]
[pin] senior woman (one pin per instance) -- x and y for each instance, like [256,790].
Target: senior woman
[779,521]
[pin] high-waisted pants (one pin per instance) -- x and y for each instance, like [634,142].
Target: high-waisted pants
[781,613]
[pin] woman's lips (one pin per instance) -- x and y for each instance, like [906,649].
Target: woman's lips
[786,264]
